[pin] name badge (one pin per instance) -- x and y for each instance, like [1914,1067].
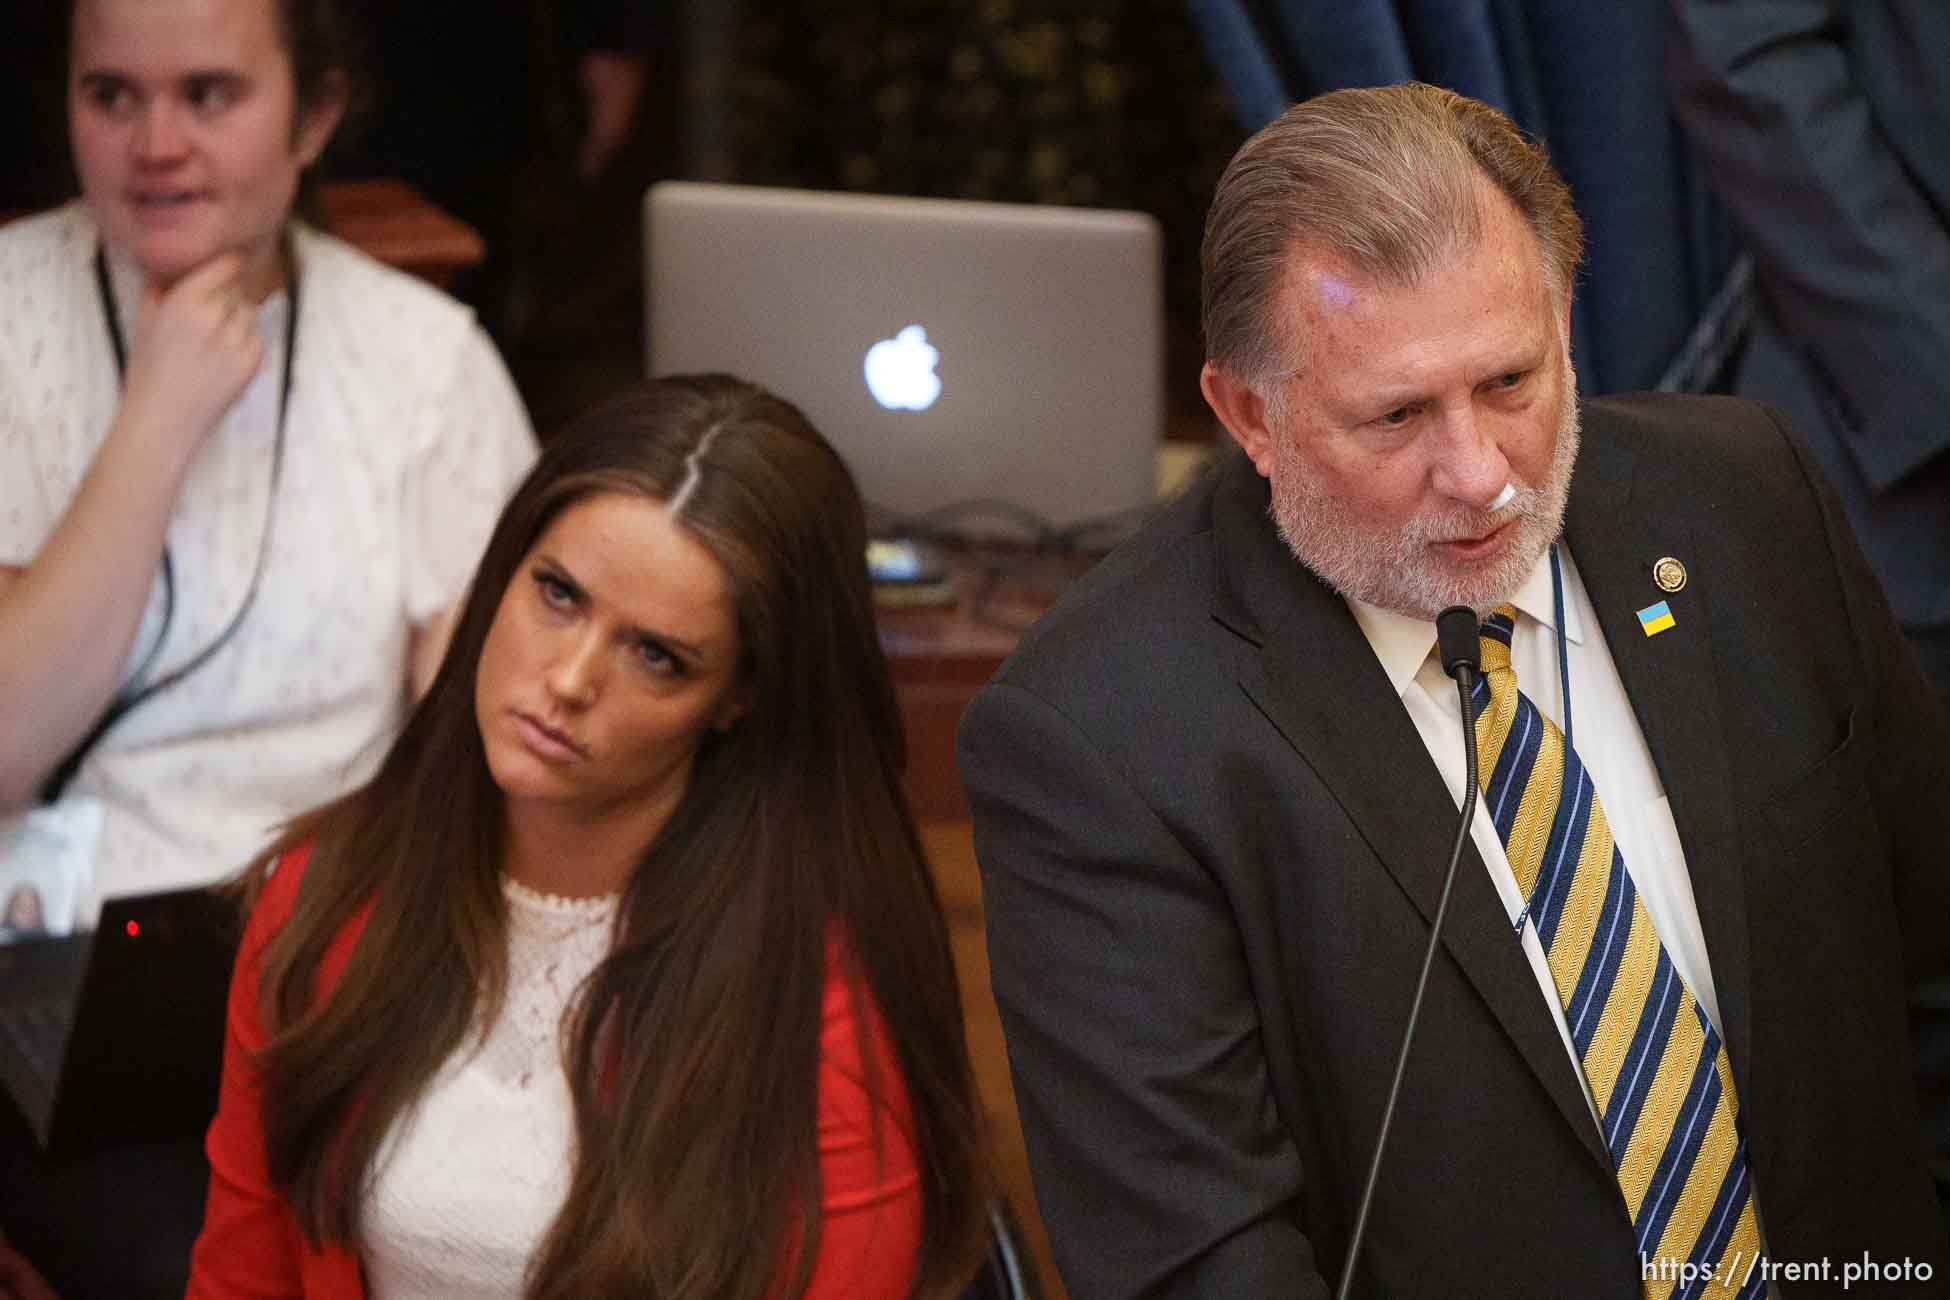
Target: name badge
[47,866]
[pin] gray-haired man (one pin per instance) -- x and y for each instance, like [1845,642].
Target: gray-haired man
[1214,793]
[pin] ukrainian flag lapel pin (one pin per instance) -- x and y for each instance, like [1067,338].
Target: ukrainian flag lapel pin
[1656,618]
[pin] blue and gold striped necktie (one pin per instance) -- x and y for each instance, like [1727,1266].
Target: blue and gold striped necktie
[1657,1070]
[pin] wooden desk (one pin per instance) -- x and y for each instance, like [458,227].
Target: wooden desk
[939,658]
[396,224]
[950,848]
[941,655]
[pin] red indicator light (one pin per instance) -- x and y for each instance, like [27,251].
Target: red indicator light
[133,929]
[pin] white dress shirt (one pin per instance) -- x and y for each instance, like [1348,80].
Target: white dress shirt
[1607,739]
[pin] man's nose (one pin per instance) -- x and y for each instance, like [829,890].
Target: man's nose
[1470,466]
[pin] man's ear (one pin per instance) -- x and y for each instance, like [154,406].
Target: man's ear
[318,120]
[1243,412]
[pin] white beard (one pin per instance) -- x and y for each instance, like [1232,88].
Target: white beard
[1397,570]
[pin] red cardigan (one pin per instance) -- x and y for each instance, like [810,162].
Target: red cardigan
[251,1246]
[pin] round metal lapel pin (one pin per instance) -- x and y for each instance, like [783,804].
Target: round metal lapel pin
[1669,573]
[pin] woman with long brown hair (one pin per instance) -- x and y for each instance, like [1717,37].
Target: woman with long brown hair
[624,975]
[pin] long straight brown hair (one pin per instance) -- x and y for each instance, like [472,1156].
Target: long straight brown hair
[693,1048]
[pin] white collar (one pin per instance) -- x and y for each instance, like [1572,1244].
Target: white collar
[1403,644]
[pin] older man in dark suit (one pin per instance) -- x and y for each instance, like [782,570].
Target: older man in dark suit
[1667,1030]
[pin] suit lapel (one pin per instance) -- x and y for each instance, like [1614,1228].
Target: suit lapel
[1315,678]
[1616,536]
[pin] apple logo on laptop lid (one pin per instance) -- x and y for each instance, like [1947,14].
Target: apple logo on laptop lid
[900,371]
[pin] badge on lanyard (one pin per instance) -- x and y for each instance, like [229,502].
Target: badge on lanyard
[47,866]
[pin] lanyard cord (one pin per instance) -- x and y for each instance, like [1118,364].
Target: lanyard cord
[1563,652]
[131,693]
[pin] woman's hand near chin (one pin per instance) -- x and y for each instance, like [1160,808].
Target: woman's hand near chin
[193,351]
[69,619]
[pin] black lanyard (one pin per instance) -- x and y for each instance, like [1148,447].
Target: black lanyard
[133,692]
[1563,653]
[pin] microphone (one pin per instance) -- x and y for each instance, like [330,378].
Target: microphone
[1459,642]
[1459,646]
[1503,498]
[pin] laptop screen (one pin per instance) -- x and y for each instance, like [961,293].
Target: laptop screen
[957,354]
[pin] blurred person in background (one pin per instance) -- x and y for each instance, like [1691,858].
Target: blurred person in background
[1822,125]
[245,472]
[244,469]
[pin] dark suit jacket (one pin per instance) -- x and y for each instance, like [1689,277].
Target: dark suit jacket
[1822,124]
[1212,843]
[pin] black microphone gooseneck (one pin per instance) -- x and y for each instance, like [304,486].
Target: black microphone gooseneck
[1461,651]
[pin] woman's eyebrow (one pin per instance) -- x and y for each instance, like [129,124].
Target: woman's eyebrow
[561,573]
[686,648]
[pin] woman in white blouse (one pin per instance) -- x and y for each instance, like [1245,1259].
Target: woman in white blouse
[624,976]
[244,469]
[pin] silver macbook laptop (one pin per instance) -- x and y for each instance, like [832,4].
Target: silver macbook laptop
[971,361]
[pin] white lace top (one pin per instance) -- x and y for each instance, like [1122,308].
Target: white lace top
[470,1179]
